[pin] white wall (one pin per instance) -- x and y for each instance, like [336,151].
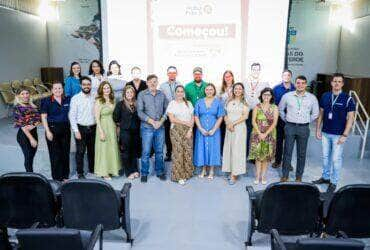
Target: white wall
[354,53]
[23,47]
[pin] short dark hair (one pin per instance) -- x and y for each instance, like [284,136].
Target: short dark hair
[287,70]
[256,64]
[337,75]
[272,100]
[100,65]
[110,65]
[151,76]
[85,78]
[70,69]
[171,67]
[301,77]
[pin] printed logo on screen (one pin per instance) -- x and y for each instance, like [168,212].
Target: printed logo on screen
[196,31]
[199,9]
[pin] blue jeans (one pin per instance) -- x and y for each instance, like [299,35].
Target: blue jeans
[149,137]
[332,157]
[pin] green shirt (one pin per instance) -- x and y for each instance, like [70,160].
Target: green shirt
[194,92]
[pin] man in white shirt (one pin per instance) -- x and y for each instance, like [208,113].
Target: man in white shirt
[82,119]
[253,87]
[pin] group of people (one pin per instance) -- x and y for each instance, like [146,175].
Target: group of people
[119,122]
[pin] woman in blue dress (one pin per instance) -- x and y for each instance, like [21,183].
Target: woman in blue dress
[208,114]
[72,84]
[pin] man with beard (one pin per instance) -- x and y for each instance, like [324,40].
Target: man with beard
[82,119]
[195,90]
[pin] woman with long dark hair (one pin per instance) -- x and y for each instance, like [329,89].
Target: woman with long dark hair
[72,84]
[26,119]
[126,118]
[96,73]
[107,161]
[115,78]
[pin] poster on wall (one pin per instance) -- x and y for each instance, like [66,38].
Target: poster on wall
[196,33]
[76,36]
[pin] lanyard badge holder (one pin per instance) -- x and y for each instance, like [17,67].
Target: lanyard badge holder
[333,101]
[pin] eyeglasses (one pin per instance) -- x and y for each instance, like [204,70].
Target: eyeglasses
[266,95]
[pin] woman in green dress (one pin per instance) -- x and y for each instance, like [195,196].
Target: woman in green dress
[263,137]
[107,162]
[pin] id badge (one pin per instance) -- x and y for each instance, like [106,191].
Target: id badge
[330,116]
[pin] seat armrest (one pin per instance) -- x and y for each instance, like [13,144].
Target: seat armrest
[35,225]
[251,192]
[96,234]
[342,235]
[276,242]
[125,189]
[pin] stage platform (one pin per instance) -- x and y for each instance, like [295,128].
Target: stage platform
[206,215]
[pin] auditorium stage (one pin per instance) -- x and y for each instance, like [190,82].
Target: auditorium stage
[207,215]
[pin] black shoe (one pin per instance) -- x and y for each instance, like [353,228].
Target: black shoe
[144,179]
[321,181]
[162,177]
[81,176]
[168,158]
[290,168]
[276,165]
[331,188]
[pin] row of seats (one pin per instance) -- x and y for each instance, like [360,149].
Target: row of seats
[298,209]
[339,243]
[83,204]
[38,90]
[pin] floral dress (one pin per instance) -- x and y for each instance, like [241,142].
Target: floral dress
[263,150]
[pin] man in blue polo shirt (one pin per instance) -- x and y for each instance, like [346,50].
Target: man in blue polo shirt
[279,90]
[337,110]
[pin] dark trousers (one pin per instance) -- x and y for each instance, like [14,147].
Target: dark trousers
[28,151]
[249,130]
[59,149]
[130,143]
[280,135]
[299,134]
[167,127]
[223,132]
[87,142]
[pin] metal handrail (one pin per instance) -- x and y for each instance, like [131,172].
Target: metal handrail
[359,119]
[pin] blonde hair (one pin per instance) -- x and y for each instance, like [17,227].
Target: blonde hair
[19,101]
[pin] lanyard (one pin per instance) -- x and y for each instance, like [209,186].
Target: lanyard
[172,90]
[333,101]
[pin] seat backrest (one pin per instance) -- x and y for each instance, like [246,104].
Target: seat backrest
[329,244]
[36,80]
[7,92]
[89,202]
[16,85]
[49,239]
[26,198]
[291,208]
[349,211]
[28,83]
